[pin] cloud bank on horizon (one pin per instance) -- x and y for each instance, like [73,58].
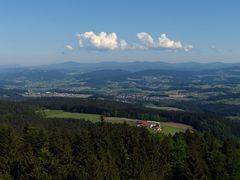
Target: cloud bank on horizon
[104,42]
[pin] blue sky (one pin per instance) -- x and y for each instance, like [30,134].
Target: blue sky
[50,31]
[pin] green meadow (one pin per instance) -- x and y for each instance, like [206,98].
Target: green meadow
[164,108]
[62,114]
[167,128]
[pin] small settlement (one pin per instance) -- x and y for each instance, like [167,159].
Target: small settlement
[149,124]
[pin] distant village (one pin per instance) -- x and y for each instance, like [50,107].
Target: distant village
[55,94]
[156,126]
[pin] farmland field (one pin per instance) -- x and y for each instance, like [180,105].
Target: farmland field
[167,127]
[234,117]
[120,120]
[62,114]
[165,108]
[172,128]
[91,117]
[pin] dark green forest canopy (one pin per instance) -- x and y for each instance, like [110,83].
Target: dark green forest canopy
[114,151]
[33,147]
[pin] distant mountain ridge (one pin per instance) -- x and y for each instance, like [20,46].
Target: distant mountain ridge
[135,66]
[72,66]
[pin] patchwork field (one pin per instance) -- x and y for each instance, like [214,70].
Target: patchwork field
[167,127]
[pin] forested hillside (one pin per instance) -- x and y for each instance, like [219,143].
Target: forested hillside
[32,147]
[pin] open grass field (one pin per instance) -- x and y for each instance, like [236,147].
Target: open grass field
[120,120]
[172,128]
[62,114]
[165,108]
[167,127]
[234,117]
[91,117]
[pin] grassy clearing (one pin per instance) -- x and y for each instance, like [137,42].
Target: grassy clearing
[62,114]
[233,117]
[167,127]
[164,108]
[91,117]
[120,120]
[172,128]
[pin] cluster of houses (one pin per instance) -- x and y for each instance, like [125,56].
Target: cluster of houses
[54,94]
[149,124]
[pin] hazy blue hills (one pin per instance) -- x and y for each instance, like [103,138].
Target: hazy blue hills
[116,71]
[135,66]
[112,68]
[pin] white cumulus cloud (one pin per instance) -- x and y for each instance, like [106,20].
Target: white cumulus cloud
[69,47]
[102,41]
[163,42]
[145,38]
[109,41]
